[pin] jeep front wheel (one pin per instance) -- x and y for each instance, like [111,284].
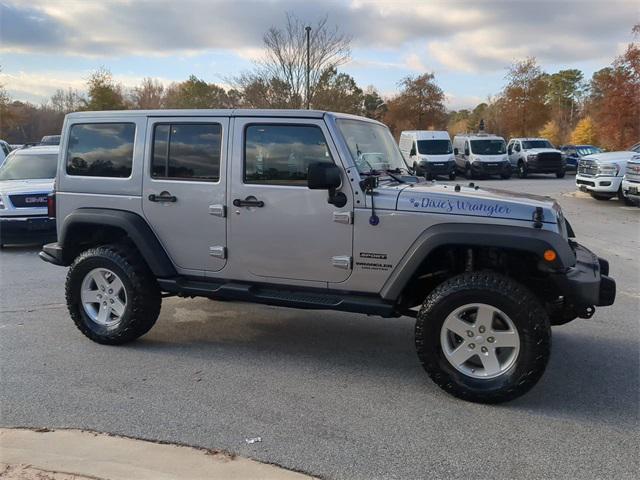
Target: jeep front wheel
[483,337]
[111,295]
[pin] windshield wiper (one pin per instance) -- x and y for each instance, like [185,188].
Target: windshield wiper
[391,173]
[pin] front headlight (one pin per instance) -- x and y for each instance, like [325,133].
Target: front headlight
[610,169]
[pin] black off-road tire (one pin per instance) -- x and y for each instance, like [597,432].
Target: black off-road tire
[143,293]
[512,298]
[452,175]
[505,176]
[602,198]
[522,170]
[561,174]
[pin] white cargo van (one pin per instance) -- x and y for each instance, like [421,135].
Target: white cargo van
[428,152]
[481,154]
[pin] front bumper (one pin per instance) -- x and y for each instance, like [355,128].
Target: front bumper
[631,190]
[437,168]
[587,283]
[491,168]
[545,166]
[604,185]
[22,230]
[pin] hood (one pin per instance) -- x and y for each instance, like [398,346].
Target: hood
[535,151]
[10,187]
[481,202]
[612,157]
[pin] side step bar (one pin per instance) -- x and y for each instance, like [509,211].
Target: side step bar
[274,295]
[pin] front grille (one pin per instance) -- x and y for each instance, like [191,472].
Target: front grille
[551,160]
[588,167]
[633,172]
[29,200]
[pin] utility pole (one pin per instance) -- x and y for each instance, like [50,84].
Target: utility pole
[308,30]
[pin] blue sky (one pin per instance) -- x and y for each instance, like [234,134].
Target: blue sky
[48,44]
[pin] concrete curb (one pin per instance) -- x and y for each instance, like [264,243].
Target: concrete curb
[79,454]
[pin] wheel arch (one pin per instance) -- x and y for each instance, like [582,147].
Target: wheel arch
[527,240]
[85,226]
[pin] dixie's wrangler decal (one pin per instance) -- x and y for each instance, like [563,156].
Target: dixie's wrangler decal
[449,205]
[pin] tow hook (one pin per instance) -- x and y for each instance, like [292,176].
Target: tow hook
[587,312]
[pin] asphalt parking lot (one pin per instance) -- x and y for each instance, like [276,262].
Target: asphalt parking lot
[332,394]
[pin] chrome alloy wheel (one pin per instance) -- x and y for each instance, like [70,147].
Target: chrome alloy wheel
[480,341]
[103,296]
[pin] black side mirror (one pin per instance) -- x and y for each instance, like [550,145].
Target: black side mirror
[323,176]
[456,151]
[466,152]
[326,176]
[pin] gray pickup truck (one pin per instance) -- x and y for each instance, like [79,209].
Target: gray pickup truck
[313,210]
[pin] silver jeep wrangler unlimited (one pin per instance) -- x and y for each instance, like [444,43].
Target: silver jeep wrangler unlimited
[313,210]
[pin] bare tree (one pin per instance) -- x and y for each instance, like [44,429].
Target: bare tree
[285,57]
[148,95]
[65,101]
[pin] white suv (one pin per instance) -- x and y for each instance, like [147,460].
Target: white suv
[26,180]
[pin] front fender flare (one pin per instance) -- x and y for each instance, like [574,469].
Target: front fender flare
[475,235]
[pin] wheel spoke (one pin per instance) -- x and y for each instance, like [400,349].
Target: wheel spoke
[99,279]
[490,362]
[457,326]
[90,296]
[484,316]
[506,339]
[118,307]
[103,314]
[461,355]
[116,285]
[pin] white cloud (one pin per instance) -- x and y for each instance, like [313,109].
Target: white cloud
[39,87]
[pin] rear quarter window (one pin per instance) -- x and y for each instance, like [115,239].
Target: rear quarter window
[101,149]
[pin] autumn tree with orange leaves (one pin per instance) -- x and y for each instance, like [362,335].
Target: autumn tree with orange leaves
[614,103]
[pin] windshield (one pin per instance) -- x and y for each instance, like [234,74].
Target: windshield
[434,147]
[529,144]
[587,150]
[50,140]
[371,146]
[29,166]
[488,147]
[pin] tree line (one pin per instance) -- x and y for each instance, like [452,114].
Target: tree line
[562,106]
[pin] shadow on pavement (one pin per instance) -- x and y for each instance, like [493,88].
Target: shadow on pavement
[590,378]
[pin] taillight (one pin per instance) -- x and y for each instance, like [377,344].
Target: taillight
[51,205]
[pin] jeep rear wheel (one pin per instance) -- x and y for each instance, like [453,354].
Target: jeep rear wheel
[483,337]
[112,296]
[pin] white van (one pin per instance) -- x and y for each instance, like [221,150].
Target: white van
[428,152]
[481,154]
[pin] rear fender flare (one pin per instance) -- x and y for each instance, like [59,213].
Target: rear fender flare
[136,228]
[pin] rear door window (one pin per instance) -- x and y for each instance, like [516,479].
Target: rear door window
[101,149]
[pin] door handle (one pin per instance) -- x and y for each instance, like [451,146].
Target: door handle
[248,202]
[163,197]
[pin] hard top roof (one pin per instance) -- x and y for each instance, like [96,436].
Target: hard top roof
[236,112]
